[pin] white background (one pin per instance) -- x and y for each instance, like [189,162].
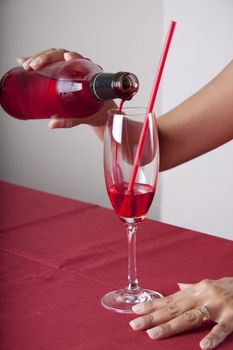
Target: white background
[122,35]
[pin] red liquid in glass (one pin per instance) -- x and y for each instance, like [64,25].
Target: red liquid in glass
[131,205]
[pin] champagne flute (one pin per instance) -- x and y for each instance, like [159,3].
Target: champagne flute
[122,133]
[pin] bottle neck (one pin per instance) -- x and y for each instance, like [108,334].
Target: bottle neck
[107,86]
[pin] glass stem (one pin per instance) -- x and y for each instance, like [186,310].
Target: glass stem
[132,285]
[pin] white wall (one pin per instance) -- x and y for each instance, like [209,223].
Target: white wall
[198,194]
[121,35]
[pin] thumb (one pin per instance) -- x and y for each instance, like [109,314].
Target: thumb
[184,285]
[70,55]
[57,123]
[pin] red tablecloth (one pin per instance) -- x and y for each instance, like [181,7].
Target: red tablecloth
[59,256]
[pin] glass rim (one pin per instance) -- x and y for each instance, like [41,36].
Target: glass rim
[129,111]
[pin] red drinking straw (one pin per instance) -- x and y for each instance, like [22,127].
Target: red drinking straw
[151,105]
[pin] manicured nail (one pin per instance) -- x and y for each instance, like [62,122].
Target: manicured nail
[56,124]
[154,333]
[67,55]
[181,285]
[20,60]
[26,64]
[184,285]
[51,125]
[35,63]
[138,308]
[205,344]
[137,323]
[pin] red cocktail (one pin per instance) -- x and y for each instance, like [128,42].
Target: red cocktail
[122,134]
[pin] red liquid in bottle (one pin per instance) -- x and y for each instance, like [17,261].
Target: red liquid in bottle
[74,89]
[66,97]
[131,205]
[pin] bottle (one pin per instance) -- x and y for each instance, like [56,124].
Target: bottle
[73,89]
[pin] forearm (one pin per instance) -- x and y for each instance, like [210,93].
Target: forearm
[199,124]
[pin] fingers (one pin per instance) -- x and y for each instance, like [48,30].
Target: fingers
[166,302]
[96,120]
[186,321]
[57,123]
[44,57]
[217,335]
[160,311]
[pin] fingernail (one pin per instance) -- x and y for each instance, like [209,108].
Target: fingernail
[26,64]
[51,125]
[205,344]
[154,333]
[138,308]
[137,323]
[56,124]
[35,63]
[20,60]
[183,285]
[67,55]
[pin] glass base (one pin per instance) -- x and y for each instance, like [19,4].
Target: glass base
[123,301]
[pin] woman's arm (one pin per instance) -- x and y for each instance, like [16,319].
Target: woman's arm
[201,123]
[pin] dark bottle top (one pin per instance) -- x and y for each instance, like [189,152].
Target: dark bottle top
[73,89]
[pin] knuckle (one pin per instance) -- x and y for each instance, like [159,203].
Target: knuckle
[172,309]
[224,328]
[62,50]
[228,298]
[167,329]
[215,291]
[150,305]
[168,300]
[215,338]
[221,295]
[75,54]
[191,316]
[206,283]
[150,321]
[45,56]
